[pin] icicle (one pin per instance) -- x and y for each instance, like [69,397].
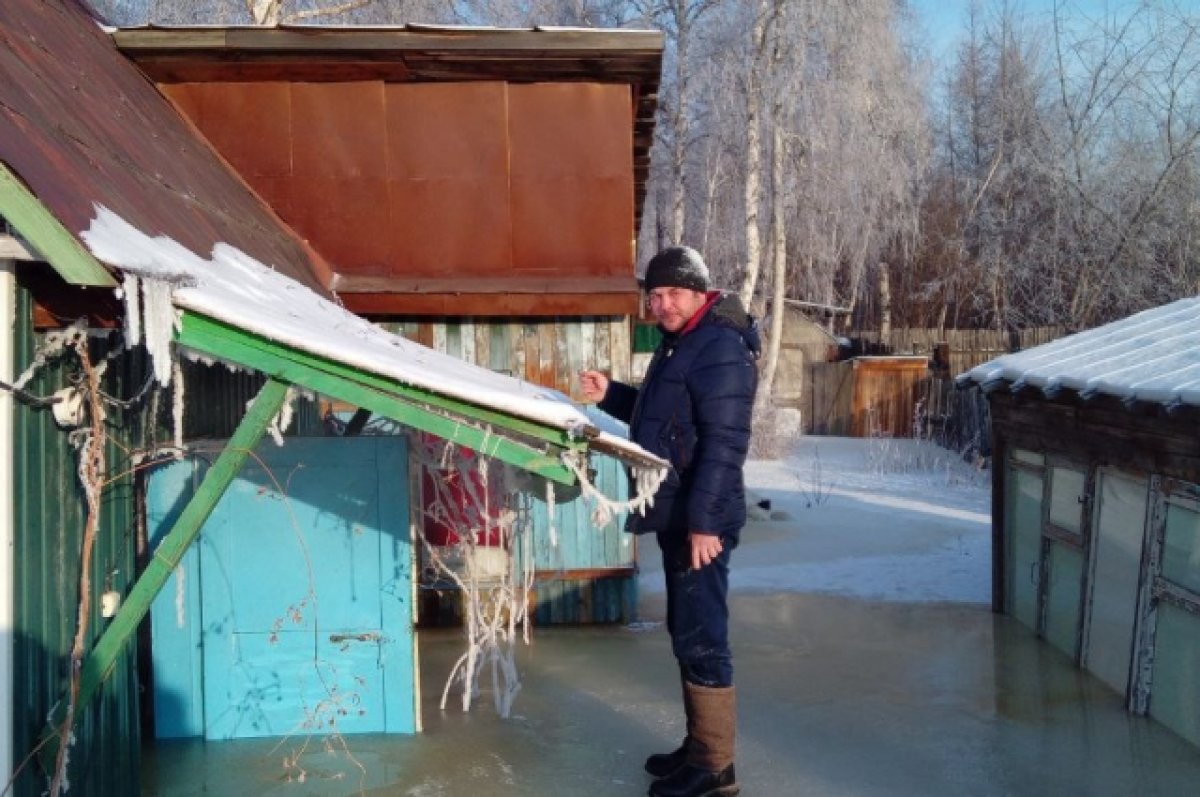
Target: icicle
[177,405]
[131,293]
[161,321]
[495,599]
[180,597]
[283,419]
[646,481]
[550,513]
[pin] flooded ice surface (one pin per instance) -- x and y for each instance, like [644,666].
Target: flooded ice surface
[892,679]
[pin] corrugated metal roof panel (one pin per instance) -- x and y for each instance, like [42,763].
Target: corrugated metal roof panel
[122,145]
[1152,356]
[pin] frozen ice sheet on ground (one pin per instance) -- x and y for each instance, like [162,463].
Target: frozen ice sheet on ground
[894,520]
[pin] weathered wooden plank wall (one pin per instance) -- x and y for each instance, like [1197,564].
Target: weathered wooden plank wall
[885,394]
[544,351]
[587,576]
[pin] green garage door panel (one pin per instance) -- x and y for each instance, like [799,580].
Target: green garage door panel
[1063,593]
[290,615]
[1175,691]
[1024,533]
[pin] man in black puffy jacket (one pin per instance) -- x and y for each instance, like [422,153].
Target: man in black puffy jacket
[694,409]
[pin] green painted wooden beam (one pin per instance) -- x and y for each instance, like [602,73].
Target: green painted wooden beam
[459,422]
[102,658]
[219,333]
[39,227]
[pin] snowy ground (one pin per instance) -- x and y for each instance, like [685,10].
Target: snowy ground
[893,520]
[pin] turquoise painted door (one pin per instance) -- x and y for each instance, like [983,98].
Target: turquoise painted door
[293,613]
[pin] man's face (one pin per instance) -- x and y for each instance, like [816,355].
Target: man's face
[674,307]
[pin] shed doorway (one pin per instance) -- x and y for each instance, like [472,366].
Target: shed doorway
[293,611]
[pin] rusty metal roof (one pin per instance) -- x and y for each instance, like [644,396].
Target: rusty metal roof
[82,127]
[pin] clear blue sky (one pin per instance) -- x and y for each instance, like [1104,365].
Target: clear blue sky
[944,20]
[943,23]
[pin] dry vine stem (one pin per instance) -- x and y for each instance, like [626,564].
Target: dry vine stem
[91,475]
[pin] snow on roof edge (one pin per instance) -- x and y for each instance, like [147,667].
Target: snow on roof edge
[234,288]
[1150,356]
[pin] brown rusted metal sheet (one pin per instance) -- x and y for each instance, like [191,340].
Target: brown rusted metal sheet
[244,121]
[338,130]
[84,128]
[453,226]
[467,181]
[447,162]
[575,113]
[437,131]
[345,218]
[572,178]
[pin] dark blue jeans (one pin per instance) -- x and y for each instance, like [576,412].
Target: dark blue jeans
[697,614]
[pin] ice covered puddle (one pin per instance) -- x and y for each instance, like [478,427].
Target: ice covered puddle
[895,520]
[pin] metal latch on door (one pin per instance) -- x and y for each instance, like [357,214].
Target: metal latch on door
[369,636]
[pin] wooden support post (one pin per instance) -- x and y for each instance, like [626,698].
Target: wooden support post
[102,659]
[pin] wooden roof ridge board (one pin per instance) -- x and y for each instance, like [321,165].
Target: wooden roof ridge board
[593,42]
[343,283]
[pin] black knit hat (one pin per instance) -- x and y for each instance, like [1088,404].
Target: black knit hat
[676,267]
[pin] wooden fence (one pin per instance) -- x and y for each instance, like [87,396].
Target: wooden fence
[967,348]
[841,398]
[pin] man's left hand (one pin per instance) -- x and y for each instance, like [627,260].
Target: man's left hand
[705,548]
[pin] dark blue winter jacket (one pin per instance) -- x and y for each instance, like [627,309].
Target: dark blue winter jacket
[693,409]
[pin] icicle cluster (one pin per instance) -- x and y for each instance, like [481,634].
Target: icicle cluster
[489,559]
[149,314]
[646,483]
[283,419]
[52,346]
[177,406]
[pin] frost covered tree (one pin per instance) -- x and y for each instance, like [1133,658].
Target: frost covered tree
[1068,157]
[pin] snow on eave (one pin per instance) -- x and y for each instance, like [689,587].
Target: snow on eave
[1152,356]
[234,288]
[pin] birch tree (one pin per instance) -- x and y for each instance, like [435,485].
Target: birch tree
[752,193]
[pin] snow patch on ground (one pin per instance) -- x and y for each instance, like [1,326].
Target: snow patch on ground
[894,520]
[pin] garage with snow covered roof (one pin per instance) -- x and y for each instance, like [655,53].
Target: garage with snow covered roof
[1096,503]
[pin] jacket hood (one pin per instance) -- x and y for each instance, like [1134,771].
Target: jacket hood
[728,311]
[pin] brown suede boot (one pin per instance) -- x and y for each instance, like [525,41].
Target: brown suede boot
[660,765]
[712,728]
